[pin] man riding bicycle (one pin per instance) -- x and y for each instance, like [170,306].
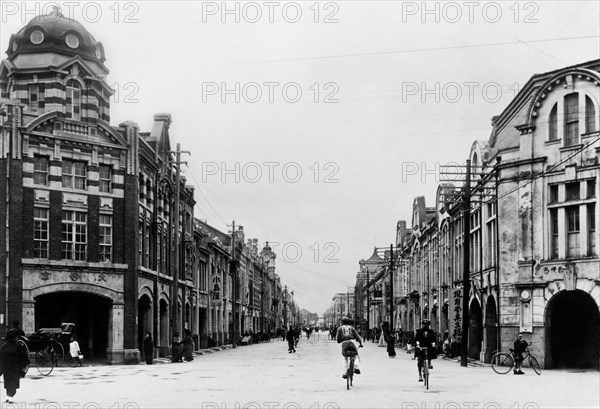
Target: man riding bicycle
[346,334]
[425,338]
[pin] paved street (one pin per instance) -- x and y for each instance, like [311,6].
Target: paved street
[265,375]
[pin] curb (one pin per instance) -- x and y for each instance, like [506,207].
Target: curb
[200,352]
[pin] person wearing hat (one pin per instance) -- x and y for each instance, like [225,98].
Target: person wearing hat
[425,338]
[13,361]
[346,334]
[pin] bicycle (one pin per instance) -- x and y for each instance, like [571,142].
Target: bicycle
[350,367]
[425,367]
[503,362]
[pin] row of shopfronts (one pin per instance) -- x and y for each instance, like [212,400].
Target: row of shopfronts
[98,225]
[533,257]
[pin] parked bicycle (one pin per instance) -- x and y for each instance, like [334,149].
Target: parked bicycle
[503,362]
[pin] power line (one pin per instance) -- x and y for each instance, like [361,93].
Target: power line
[414,50]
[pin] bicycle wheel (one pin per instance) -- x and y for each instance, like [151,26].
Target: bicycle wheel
[58,353]
[24,345]
[43,362]
[502,363]
[535,365]
[426,375]
[350,374]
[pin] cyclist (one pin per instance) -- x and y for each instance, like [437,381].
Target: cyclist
[346,334]
[425,338]
[520,346]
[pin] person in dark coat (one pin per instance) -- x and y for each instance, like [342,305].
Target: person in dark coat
[148,348]
[291,339]
[176,354]
[188,346]
[389,339]
[13,361]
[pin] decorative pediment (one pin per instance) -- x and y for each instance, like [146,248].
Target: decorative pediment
[51,123]
[563,79]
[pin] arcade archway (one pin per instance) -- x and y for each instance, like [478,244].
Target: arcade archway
[475,329]
[491,328]
[89,313]
[572,331]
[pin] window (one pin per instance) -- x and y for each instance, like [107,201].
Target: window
[74,235]
[37,97]
[591,188]
[572,214]
[553,194]
[591,212]
[105,178]
[572,191]
[554,233]
[74,175]
[553,124]
[590,115]
[572,119]
[105,237]
[73,100]
[40,232]
[40,170]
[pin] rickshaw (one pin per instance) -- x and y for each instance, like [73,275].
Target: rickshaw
[48,346]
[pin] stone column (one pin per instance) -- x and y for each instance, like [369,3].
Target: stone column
[28,321]
[115,353]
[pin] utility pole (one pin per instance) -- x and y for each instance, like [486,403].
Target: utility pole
[233,270]
[464,347]
[391,288]
[368,303]
[176,270]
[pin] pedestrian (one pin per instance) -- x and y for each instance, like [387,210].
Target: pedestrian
[188,346]
[520,346]
[17,327]
[389,339]
[75,351]
[176,348]
[13,363]
[148,348]
[291,339]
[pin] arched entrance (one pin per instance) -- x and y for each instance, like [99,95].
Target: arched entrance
[89,313]
[491,329]
[144,319]
[475,329]
[572,331]
[164,346]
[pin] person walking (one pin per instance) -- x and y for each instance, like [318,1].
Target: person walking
[389,339]
[75,351]
[188,346]
[13,361]
[290,336]
[148,348]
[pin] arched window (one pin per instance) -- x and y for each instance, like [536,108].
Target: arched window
[590,115]
[73,100]
[572,119]
[553,124]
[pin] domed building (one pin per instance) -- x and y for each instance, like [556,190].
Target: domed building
[88,218]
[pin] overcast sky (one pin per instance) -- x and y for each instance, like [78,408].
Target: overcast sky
[343,108]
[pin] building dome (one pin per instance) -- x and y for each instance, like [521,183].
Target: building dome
[57,34]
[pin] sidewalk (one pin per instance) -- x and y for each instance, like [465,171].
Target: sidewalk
[167,359]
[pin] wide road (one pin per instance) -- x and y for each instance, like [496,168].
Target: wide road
[265,375]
